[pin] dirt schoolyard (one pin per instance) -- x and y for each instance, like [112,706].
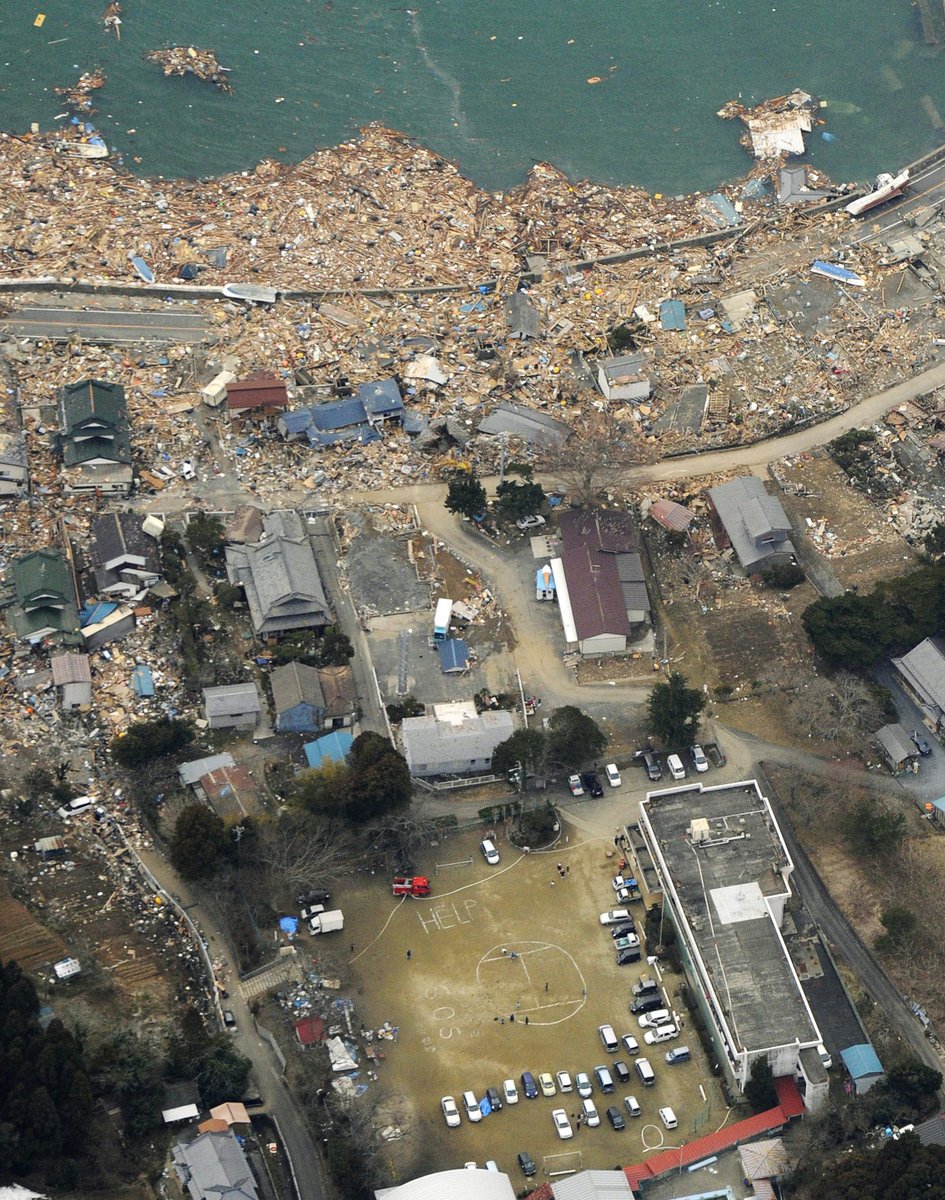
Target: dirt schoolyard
[507,969]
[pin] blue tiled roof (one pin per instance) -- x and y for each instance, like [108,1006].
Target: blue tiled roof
[381,399]
[333,747]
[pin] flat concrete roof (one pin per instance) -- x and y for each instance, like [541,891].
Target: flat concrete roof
[724,886]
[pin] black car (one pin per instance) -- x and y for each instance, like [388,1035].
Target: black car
[313,896]
[645,1004]
[527,1163]
[622,1071]
[623,930]
[495,1100]
[920,742]
[615,1117]
[592,784]
[630,954]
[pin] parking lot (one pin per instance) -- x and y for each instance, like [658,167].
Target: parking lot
[507,969]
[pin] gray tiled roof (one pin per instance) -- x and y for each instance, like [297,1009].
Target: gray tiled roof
[923,668]
[280,578]
[214,1167]
[295,683]
[231,700]
[896,742]
[756,524]
[429,741]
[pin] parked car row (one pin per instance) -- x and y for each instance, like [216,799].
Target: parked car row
[675,765]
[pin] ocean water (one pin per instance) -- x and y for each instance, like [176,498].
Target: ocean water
[492,84]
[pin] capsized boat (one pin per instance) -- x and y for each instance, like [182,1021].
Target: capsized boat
[885,188]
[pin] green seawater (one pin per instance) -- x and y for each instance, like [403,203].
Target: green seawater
[492,84]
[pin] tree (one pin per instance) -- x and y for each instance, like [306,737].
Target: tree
[759,1090]
[784,575]
[146,740]
[873,829]
[199,843]
[841,708]
[899,923]
[328,647]
[205,536]
[526,747]
[221,1071]
[130,1067]
[913,1081]
[301,849]
[465,495]
[899,1169]
[516,500]
[375,781]
[324,790]
[847,630]
[673,710]
[934,541]
[573,737]
[599,457]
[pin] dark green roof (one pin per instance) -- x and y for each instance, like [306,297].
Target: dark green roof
[90,403]
[45,595]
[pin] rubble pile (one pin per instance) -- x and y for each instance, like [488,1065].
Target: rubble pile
[186,60]
[79,96]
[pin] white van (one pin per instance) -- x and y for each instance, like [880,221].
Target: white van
[613,775]
[489,852]
[676,768]
[79,805]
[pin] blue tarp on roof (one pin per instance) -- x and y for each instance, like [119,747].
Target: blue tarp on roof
[720,211]
[861,1061]
[142,681]
[454,655]
[296,421]
[381,399]
[333,747]
[673,315]
[91,614]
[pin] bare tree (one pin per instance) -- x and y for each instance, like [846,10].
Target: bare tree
[599,457]
[300,849]
[836,709]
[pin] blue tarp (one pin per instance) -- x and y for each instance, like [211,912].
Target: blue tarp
[673,315]
[454,655]
[333,747]
[835,272]
[91,614]
[289,924]
[142,681]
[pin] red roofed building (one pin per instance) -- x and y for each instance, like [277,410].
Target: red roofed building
[261,390]
[231,791]
[600,583]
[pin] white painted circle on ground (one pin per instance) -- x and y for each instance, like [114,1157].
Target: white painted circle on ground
[655,1145]
[539,980]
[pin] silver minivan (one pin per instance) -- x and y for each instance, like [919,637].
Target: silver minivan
[645,1071]
[609,1038]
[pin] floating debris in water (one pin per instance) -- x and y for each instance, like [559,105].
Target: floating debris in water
[185,60]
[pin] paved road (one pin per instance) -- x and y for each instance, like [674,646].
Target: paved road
[926,189]
[185,325]
[277,1101]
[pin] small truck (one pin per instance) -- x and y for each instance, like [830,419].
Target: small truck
[411,885]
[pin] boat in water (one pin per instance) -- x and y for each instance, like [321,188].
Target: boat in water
[251,292]
[885,188]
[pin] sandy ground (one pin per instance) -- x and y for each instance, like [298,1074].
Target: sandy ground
[461,1005]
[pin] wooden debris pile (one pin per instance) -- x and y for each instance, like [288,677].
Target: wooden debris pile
[186,60]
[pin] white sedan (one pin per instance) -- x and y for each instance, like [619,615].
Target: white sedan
[614,916]
[562,1124]
[574,783]
[509,1091]
[450,1112]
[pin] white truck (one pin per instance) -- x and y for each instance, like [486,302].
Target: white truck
[327,922]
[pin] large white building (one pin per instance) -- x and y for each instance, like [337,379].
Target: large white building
[724,872]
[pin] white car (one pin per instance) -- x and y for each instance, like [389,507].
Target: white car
[489,852]
[582,1081]
[80,804]
[509,1091]
[562,1124]
[613,775]
[471,1105]
[535,522]
[615,916]
[662,1033]
[564,1081]
[546,1083]
[590,1114]
[676,768]
[668,1117]
[659,1016]
[701,763]
[450,1111]
[574,783]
